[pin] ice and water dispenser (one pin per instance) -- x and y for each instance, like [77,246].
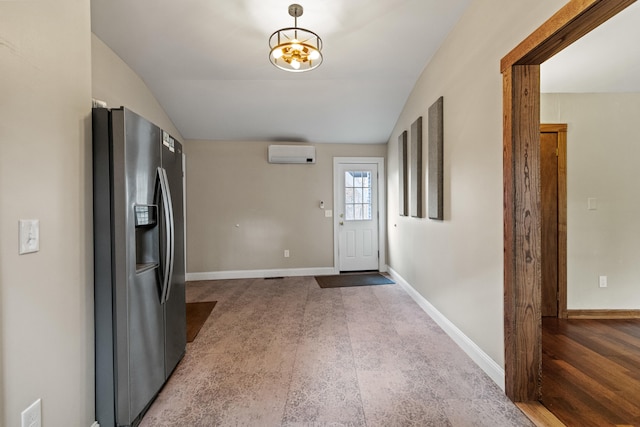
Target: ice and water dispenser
[147,253]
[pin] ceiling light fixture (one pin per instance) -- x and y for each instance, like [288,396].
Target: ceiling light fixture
[295,49]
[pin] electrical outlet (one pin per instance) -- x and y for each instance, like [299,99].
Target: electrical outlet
[603,281]
[32,416]
[286,253]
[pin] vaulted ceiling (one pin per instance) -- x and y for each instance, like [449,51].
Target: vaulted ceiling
[206,61]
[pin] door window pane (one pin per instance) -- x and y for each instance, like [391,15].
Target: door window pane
[358,211]
[357,196]
[348,179]
[349,212]
[348,195]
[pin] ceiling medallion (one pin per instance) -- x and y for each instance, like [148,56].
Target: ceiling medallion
[295,49]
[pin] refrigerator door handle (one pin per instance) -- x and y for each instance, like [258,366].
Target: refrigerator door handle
[171,248]
[168,223]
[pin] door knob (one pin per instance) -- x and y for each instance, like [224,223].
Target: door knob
[341,222]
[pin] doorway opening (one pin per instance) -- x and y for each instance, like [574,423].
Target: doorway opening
[359,217]
[521,172]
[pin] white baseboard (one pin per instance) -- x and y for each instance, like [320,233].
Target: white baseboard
[95,424]
[256,274]
[482,359]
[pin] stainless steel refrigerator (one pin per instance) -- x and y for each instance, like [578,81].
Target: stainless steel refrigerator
[140,322]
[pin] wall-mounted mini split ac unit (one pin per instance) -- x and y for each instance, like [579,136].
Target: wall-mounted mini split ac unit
[292,154]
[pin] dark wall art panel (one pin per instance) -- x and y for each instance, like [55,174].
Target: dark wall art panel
[416,169]
[402,174]
[435,159]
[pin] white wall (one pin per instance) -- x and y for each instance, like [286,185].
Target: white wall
[114,82]
[276,206]
[46,298]
[603,148]
[457,264]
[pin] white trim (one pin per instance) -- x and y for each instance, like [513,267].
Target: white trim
[95,424]
[482,359]
[382,208]
[255,274]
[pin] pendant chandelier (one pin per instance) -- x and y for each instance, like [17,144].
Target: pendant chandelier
[295,49]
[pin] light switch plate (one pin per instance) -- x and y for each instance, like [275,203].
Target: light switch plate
[592,203]
[32,416]
[328,213]
[29,235]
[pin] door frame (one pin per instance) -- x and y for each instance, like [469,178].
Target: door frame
[560,129]
[520,69]
[382,208]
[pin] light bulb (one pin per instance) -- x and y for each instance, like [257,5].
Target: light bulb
[297,47]
[314,55]
[295,64]
[277,53]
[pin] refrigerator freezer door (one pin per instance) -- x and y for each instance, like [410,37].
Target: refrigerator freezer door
[146,343]
[140,335]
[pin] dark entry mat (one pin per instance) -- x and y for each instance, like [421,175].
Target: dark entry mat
[197,314]
[346,280]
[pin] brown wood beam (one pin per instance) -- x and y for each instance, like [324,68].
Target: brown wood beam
[521,90]
[510,333]
[574,20]
[522,250]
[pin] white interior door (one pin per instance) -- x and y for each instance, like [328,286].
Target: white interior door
[357,216]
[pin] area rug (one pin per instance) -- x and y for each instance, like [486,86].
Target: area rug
[197,314]
[346,280]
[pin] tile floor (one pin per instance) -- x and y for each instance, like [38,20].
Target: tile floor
[286,353]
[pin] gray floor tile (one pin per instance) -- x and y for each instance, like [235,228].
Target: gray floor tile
[287,353]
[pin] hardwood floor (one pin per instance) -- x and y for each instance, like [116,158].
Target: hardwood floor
[591,371]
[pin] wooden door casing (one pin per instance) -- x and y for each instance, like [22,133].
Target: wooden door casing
[549,222]
[553,186]
[521,168]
